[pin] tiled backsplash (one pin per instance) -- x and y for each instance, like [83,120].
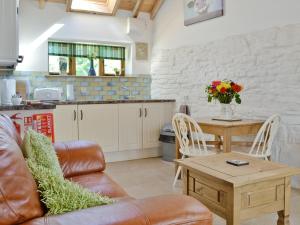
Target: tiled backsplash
[91,88]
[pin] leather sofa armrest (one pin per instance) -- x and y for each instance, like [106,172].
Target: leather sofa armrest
[79,157]
[167,210]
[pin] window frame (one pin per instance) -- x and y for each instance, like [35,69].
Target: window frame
[72,63]
[102,70]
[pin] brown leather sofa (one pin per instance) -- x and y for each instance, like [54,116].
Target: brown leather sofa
[83,163]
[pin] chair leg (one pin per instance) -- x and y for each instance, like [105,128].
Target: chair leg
[177,175]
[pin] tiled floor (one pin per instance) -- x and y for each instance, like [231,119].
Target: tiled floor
[151,177]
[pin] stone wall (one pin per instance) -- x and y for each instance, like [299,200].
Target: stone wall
[90,88]
[267,63]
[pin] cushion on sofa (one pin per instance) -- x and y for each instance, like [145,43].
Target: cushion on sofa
[162,210]
[79,157]
[60,195]
[19,199]
[100,183]
[38,148]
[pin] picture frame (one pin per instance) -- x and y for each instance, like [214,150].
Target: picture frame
[196,11]
[141,49]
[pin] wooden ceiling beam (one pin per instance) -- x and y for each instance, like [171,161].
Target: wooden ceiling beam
[156,8]
[116,7]
[68,5]
[137,8]
[42,4]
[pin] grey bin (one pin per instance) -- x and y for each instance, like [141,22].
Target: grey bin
[167,139]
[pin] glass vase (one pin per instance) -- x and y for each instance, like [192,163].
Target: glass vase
[92,71]
[227,111]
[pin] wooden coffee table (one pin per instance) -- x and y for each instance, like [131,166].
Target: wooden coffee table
[239,193]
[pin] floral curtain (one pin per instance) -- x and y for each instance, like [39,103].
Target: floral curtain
[86,50]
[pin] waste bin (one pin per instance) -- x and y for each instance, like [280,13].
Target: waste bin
[167,139]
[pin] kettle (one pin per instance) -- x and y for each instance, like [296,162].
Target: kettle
[7,90]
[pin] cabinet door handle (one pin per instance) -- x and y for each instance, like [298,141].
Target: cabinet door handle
[141,112]
[81,114]
[75,115]
[146,112]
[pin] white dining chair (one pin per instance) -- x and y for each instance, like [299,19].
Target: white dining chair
[262,145]
[190,138]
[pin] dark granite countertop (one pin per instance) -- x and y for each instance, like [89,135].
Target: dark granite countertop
[111,101]
[27,107]
[52,105]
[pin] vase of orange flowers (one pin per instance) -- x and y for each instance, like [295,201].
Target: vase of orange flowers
[224,91]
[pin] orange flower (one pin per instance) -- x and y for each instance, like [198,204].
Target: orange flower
[236,88]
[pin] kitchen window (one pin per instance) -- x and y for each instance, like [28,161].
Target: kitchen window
[85,59]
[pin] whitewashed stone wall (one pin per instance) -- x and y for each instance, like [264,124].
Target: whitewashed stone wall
[266,62]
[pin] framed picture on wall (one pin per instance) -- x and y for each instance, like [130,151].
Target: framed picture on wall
[141,51]
[200,10]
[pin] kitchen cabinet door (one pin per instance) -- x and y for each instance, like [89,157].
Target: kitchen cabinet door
[99,123]
[130,127]
[169,111]
[152,123]
[65,123]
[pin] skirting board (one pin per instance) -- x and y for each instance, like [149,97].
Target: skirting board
[132,154]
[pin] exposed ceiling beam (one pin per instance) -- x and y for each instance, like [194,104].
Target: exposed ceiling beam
[137,8]
[116,7]
[156,8]
[109,7]
[42,4]
[68,5]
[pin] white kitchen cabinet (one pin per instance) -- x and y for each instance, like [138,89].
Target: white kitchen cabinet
[65,123]
[99,123]
[152,123]
[9,34]
[115,127]
[130,127]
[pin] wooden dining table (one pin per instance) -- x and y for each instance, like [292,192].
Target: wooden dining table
[225,130]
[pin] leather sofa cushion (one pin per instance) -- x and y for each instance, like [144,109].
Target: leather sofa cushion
[79,157]
[19,199]
[162,210]
[100,183]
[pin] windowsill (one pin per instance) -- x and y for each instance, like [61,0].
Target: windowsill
[72,76]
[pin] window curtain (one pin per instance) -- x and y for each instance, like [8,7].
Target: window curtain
[86,50]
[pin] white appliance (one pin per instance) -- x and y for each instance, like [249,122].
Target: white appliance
[70,92]
[47,94]
[9,34]
[8,89]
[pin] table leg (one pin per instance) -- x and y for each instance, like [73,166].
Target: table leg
[177,153]
[283,219]
[219,140]
[185,181]
[233,207]
[227,141]
[284,215]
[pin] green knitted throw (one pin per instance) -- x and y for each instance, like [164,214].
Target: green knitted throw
[58,194]
[39,149]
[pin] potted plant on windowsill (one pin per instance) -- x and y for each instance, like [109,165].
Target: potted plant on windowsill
[224,91]
[117,72]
